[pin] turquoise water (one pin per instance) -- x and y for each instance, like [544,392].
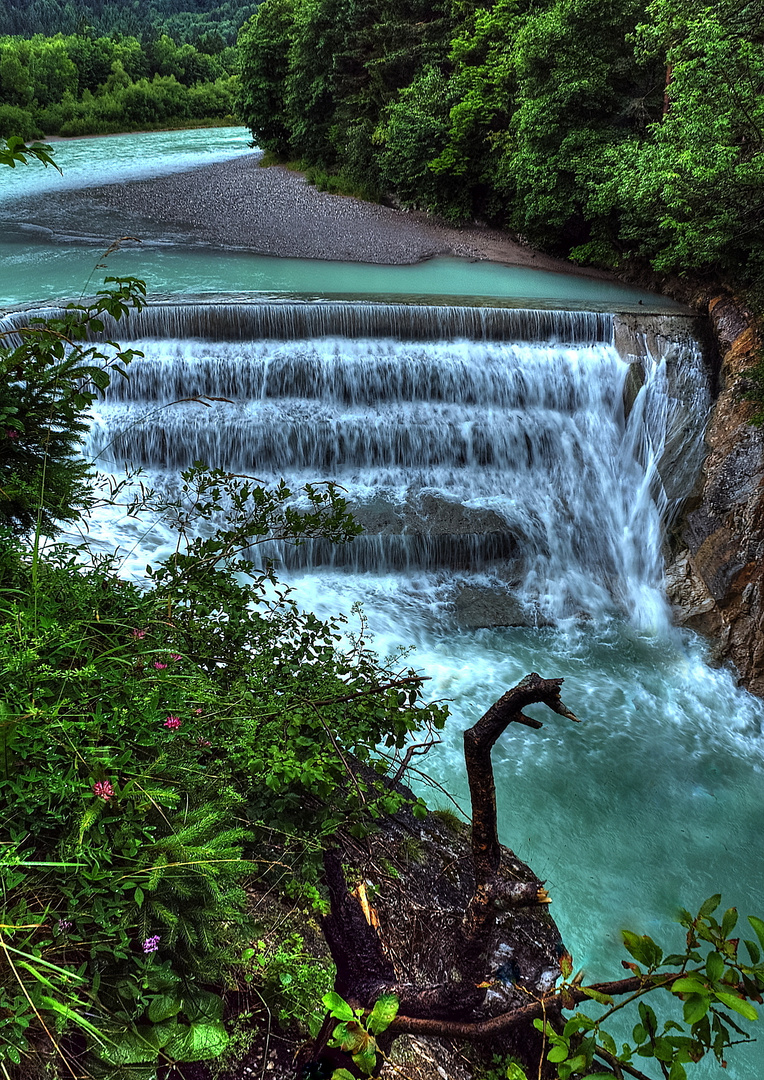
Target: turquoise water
[40,265]
[35,271]
[118,158]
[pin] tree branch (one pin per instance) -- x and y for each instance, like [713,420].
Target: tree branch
[478,744]
[496,1025]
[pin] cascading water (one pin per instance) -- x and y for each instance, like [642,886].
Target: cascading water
[510,459]
[513,510]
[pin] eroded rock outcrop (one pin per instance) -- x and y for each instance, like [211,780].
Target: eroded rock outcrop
[716,581]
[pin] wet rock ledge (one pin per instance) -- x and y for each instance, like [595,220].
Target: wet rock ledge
[716,578]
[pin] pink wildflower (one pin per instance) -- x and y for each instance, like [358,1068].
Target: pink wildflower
[12,434]
[159,665]
[138,634]
[151,944]
[198,712]
[203,742]
[103,789]
[173,723]
[175,656]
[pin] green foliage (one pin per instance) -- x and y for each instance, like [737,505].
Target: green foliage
[79,84]
[712,981]
[49,375]
[264,44]
[503,1067]
[14,151]
[292,982]
[210,24]
[139,724]
[623,130]
[356,1032]
[317,73]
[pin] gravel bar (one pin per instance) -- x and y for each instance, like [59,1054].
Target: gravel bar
[238,205]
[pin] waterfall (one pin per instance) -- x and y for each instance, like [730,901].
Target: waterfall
[480,457]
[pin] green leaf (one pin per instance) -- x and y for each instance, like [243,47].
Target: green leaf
[695,1008]
[74,1017]
[688,985]
[342,1074]
[203,1005]
[514,1072]
[163,1007]
[729,921]
[382,1015]
[367,1058]
[737,1004]
[664,1051]
[577,1063]
[198,1042]
[753,951]
[758,926]
[708,907]
[558,1053]
[337,1006]
[643,948]
[714,966]
[597,995]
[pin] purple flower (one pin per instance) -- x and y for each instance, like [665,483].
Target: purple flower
[63,926]
[175,656]
[103,789]
[203,742]
[11,433]
[159,665]
[173,723]
[138,634]
[151,944]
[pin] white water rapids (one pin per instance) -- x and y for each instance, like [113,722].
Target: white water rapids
[496,476]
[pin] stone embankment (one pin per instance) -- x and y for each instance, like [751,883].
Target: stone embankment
[716,578]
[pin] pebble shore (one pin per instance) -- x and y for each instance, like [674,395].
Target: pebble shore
[273,211]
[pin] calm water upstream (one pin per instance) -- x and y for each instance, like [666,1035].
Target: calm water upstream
[485,464]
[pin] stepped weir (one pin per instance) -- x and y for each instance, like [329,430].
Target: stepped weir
[511,454]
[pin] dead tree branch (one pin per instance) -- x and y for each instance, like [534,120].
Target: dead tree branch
[486,849]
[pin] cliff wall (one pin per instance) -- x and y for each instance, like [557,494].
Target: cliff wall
[715,579]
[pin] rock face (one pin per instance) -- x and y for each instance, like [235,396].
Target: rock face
[716,580]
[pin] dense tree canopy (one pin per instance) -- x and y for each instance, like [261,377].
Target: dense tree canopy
[78,84]
[185,20]
[615,130]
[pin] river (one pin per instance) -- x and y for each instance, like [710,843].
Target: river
[657,799]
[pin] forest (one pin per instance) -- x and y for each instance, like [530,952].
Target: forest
[618,133]
[184,20]
[78,84]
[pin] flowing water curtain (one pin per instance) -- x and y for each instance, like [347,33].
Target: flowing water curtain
[509,460]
